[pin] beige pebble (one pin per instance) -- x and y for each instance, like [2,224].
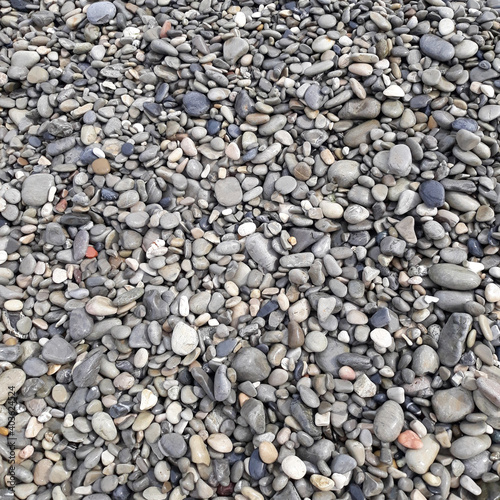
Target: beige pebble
[100,306]
[361,69]
[251,494]
[199,452]
[13,305]
[188,146]
[323,483]
[268,452]
[220,442]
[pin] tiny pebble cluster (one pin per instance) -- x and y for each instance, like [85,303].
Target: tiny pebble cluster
[249,250]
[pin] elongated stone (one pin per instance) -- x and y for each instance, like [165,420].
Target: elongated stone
[453,277]
[452,338]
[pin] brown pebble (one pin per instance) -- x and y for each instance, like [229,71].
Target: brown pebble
[295,335]
[101,166]
[302,171]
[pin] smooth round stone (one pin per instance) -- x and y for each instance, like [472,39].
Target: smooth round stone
[35,189]
[446,26]
[127,149]
[432,193]
[342,464]
[492,292]
[489,112]
[267,452]
[344,172]
[35,367]
[101,13]
[466,49]
[425,360]
[228,192]
[316,341]
[104,426]
[381,337]
[410,440]
[101,166]
[173,445]
[400,159]
[100,306]
[285,184]
[331,210]
[37,74]
[294,467]
[59,351]
[431,77]
[388,422]
[234,49]
[256,467]
[452,405]
[454,277]
[196,103]
[251,364]
[327,21]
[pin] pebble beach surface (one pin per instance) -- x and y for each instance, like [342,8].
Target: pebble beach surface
[249,250]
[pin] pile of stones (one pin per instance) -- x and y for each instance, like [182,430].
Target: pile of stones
[249,250]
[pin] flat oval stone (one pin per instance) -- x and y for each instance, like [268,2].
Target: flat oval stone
[437,48]
[454,277]
[388,421]
[35,189]
[470,446]
[432,193]
[195,103]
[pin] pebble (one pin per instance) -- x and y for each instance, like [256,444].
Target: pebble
[454,277]
[104,426]
[388,421]
[436,48]
[228,192]
[294,467]
[184,339]
[35,189]
[420,460]
[452,405]
[100,13]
